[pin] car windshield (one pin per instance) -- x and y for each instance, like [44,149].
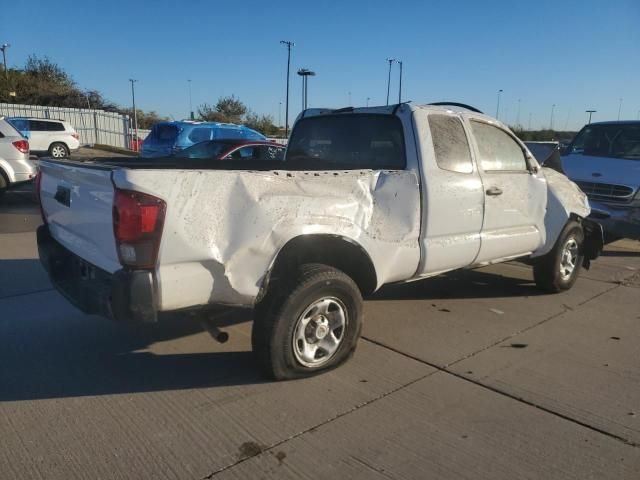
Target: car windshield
[348,141]
[209,149]
[163,134]
[612,140]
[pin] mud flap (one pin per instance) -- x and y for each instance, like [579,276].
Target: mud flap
[593,241]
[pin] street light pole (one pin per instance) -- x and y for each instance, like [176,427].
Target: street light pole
[305,73]
[518,115]
[553,107]
[390,60]
[190,102]
[4,59]
[498,106]
[529,128]
[135,112]
[590,112]
[400,85]
[619,108]
[368,98]
[279,114]
[286,110]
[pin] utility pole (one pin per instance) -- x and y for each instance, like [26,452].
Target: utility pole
[400,85]
[4,60]
[619,108]
[390,60]
[191,116]
[286,110]
[590,112]
[135,112]
[553,107]
[498,106]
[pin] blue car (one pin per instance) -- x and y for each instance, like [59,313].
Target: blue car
[168,138]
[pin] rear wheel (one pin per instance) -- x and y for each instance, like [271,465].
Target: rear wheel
[58,150]
[3,184]
[558,270]
[310,325]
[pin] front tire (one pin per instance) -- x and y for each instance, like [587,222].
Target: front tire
[3,185]
[307,326]
[58,150]
[558,270]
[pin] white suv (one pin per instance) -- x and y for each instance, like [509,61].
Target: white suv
[15,166]
[56,138]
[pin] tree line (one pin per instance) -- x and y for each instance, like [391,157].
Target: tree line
[43,82]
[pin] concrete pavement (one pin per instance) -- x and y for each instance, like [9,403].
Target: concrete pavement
[474,374]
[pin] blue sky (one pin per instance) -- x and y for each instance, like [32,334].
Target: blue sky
[576,54]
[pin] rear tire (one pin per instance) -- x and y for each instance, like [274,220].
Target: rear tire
[309,325]
[58,150]
[3,184]
[558,270]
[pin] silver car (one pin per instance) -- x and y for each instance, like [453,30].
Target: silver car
[604,160]
[15,166]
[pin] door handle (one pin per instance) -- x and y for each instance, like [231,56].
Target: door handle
[494,191]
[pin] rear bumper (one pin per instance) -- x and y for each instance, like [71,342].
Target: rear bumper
[620,221]
[125,295]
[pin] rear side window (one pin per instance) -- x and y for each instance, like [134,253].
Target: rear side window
[498,151]
[348,141]
[200,134]
[450,144]
[38,126]
[56,127]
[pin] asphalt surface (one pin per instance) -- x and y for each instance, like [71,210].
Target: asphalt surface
[471,375]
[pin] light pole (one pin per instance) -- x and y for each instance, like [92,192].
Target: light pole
[518,115]
[590,112]
[400,84]
[369,98]
[553,107]
[349,93]
[279,114]
[286,110]
[530,114]
[135,112]
[390,60]
[4,59]
[619,108]
[305,74]
[190,102]
[498,106]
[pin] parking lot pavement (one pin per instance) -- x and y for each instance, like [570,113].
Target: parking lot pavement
[470,375]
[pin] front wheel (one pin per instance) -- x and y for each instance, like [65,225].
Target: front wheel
[558,270]
[309,327]
[58,150]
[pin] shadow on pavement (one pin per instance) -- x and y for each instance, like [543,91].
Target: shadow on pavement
[459,284]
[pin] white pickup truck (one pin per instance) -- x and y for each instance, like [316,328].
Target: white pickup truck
[363,198]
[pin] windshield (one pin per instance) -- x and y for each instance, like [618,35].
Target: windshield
[613,140]
[210,149]
[348,141]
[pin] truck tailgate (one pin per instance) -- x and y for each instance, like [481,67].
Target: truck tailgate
[77,204]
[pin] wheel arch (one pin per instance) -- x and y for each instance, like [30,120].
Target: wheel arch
[336,251]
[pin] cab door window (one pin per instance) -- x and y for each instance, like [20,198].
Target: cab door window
[498,150]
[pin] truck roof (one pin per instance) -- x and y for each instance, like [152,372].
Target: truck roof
[391,109]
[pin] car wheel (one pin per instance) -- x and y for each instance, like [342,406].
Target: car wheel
[3,185]
[58,150]
[558,270]
[309,326]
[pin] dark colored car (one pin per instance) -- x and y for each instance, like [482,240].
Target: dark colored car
[234,150]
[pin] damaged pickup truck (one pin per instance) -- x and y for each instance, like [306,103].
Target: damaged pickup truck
[364,197]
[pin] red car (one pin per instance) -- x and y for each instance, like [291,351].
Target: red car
[234,150]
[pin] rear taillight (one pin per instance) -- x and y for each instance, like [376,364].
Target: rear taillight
[76,135]
[22,145]
[37,185]
[138,219]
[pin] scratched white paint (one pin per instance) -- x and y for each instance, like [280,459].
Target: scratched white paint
[224,229]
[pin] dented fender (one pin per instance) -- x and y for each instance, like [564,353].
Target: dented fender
[224,229]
